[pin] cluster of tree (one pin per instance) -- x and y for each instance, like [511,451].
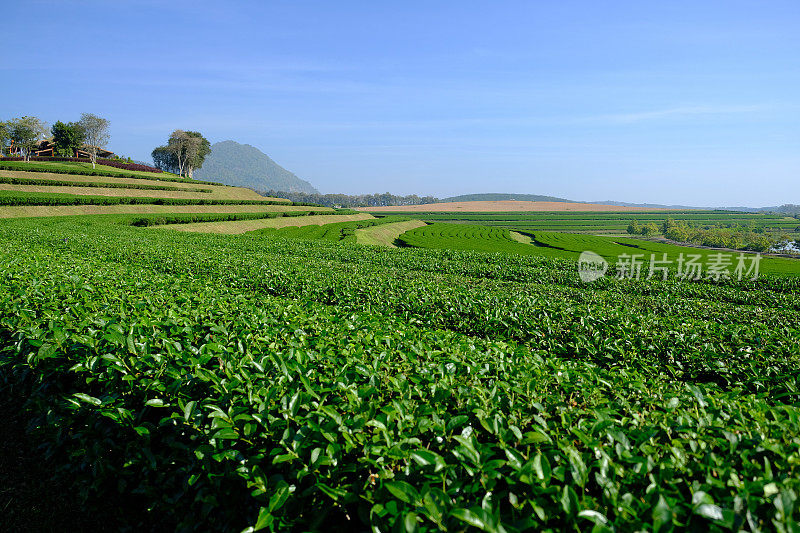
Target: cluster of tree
[23,133]
[184,153]
[67,138]
[346,200]
[634,228]
[90,133]
[734,237]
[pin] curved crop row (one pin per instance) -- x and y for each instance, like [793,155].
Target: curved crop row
[465,237]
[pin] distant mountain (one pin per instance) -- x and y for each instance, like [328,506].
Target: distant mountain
[662,206]
[789,209]
[501,196]
[243,165]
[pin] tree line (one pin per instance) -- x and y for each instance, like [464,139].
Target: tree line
[23,134]
[735,237]
[346,200]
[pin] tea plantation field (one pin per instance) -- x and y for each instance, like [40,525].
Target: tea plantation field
[259,382]
[559,245]
[611,222]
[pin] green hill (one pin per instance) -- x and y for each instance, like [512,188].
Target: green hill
[500,196]
[243,165]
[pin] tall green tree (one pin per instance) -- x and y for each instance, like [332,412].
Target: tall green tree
[201,150]
[184,153]
[67,138]
[649,229]
[164,159]
[25,133]
[668,224]
[96,134]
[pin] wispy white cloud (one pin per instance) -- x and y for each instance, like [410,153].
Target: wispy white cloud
[684,112]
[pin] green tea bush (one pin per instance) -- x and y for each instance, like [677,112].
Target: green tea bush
[100,184]
[26,198]
[262,383]
[187,218]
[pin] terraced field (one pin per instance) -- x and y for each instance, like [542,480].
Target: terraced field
[333,231]
[243,226]
[94,209]
[614,223]
[42,189]
[40,182]
[570,246]
[504,206]
[465,237]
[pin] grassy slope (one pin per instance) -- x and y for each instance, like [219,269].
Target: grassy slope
[33,196]
[83,167]
[217,191]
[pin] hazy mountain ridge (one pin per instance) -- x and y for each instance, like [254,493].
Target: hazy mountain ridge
[244,165]
[785,208]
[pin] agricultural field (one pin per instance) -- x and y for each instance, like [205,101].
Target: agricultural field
[290,378]
[612,223]
[258,381]
[504,206]
[59,189]
[349,231]
[570,246]
[253,224]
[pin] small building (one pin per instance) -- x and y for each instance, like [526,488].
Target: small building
[46,148]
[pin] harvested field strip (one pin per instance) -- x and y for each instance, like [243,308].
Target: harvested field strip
[386,234]
[72,210]
[243,226]
[519,237]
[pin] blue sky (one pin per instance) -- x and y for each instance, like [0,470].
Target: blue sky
[667,102]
